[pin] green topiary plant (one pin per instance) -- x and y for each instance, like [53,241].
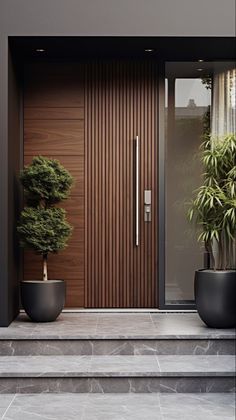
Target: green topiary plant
[42,226]
[214,207]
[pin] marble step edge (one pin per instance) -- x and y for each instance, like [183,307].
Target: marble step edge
[103,337]
[111,374]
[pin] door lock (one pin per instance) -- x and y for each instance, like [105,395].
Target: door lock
[147,205]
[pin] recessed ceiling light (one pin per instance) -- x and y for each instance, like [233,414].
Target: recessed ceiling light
[40,50]
[200,60]
[149,50]
[199,69]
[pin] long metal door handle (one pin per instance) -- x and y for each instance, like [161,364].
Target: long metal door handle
[137,193]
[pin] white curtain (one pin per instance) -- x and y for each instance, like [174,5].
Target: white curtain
[224,103]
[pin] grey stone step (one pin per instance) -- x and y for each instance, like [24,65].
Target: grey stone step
[118,406]
[117,374]
[31,366]
[105,346]
[116,333]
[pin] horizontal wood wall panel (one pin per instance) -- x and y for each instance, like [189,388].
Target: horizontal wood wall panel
[54,127]
[75,205]
[120,103]
[61,137]
[58,85]
[74,293]
[66,264]
[54,113]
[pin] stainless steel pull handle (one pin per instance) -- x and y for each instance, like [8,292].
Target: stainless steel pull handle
[137,193]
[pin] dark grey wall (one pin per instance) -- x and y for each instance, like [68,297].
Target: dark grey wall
[78,18]
[9,192]
[14,160]
[119,17]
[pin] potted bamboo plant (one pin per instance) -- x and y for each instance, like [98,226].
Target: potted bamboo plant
[43,228]
[214,211]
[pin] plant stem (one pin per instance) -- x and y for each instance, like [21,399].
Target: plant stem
[227,252]
[221,253]
[45,267]
[212,258]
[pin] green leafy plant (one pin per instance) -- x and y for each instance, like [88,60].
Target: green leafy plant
[214,207]
[42,226]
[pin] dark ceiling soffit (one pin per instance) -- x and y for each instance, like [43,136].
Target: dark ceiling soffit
[166,48]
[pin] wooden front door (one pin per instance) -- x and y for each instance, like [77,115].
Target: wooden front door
[120,104]
[88,116]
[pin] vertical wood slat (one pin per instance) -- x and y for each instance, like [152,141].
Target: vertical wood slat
[121,102]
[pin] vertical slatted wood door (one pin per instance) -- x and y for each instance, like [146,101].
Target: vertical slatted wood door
[120,103]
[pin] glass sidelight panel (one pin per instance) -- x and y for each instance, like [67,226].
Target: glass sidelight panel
[199,98]
[187,115]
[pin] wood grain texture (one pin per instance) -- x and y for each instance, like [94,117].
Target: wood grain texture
[66,264]
[54,127]
[60,137]
[120,103]
[54,113]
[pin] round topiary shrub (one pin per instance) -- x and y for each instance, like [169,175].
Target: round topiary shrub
[42,226]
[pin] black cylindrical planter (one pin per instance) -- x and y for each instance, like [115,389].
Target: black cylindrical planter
[43,301]
[215,296]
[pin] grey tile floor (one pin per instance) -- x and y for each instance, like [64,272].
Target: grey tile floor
[115,326]
[118,407]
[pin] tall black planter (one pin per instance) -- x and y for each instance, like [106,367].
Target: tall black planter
[215,296]
[43,301]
